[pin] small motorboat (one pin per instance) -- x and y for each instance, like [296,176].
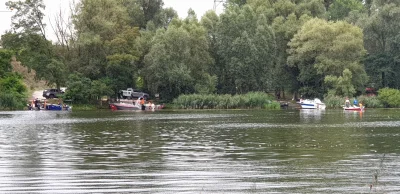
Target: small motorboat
[354,108]
[312,104]
[124,106]
[53,107]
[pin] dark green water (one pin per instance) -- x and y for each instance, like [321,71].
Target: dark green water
[236,151]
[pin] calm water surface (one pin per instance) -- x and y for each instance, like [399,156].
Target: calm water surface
[236,151]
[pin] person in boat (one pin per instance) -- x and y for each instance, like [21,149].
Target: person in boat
[347,102]
[355,102]
[142,103]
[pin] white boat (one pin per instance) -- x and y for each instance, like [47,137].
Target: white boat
[312,104]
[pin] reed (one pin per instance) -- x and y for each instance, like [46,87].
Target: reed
[258,100]
[370,101]
[332,101]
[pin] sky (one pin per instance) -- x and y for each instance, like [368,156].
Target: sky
[53,6]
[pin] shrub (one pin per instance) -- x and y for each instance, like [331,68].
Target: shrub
[389,97]
[333,101]
[370,101]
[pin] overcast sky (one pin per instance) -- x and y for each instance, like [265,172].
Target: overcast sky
[52,6]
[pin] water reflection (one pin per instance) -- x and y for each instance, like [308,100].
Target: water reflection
[241,151]
[311,115]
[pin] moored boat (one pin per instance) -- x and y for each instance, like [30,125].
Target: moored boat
[312,104]
[136,106]
[124,106]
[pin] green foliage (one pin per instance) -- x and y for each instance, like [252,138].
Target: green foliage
[341,85]
[247,47]
[322,51]
[389,97]
[333,101]
[12,92]
[99,88]
[179,60]
[370,101]
[340,9]
[5,62]
[78,89]
[28,17]
[212,101]
[55,73]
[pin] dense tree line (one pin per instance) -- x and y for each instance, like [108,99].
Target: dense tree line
[309,47]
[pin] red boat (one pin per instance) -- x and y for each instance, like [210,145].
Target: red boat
[127,106]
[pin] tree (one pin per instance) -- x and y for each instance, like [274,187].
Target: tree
[28,17]
[5,62]
[178,62]
[12,92]
[340,9]
[79,88]
[322,51]
[246,45]
[382,41]
[143,11]
[12,89]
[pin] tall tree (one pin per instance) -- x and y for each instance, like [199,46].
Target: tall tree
[382,40]
[179,61]
[328,55]
[340,9]
[29,16]
[246,44]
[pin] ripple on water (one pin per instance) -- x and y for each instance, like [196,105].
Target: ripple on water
[200,152]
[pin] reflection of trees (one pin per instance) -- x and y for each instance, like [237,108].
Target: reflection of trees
[311,115]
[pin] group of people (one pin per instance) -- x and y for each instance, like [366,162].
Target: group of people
[141,103]
[355,103]
[37,105]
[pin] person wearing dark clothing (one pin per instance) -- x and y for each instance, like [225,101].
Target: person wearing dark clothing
[37,104]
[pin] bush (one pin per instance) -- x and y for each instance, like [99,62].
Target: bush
[370,101]
[389,97]
[333,101]
[11,101]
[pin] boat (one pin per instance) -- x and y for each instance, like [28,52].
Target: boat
[354,108]
[52,107]
[124,106]
[136,106]
[312,104]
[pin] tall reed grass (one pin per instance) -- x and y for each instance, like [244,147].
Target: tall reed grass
[257,100]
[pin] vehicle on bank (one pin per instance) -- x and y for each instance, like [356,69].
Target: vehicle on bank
[130,93]
[53,93]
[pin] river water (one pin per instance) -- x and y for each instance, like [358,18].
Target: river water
[234,151]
